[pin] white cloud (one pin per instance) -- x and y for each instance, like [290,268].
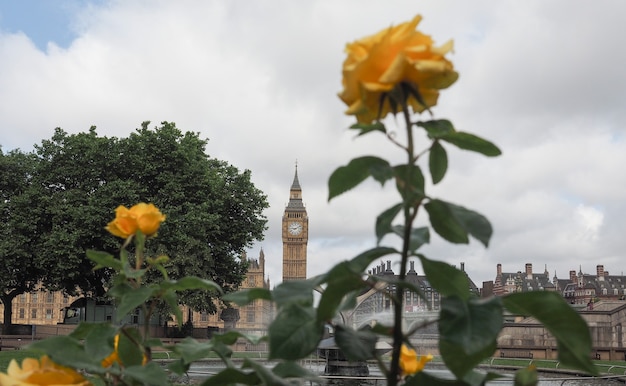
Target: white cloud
[543,80]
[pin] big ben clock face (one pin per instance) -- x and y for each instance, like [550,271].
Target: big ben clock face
[295,228]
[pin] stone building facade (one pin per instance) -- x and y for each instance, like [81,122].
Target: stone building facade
[378,304]
[295,234]
[578,288]
[39,307]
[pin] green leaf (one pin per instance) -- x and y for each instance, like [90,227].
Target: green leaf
[132,273]
[99,340]
[129,347]
[149,374]
[349,302]
[294,333]
[365,128]
[266,376]
[190,350]
[472,378]
[437,128]
[232,376]
[190,283]
[467,141]
[290,369]
[171,299]
[410,183]
[67,351]
[417,237]
[365,259]
[103,259]
[249,295]
[566,325]
[357,170]
[437,162]
[131,298]
[341,280]
[84,329]
[356,345]
[295,291]
[445,278]
[526,376]
[384,220]
[231,337]
[468,331]
[454,222]
[404,284]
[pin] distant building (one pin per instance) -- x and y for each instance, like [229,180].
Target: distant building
[295,234]
[252,318]
[39,307]
[509,282]
[578,288]
[378,302]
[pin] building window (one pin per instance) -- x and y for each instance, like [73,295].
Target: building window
[34,297]
[250,316]
[65,299]
[22,313]
[50,297]
[22,298]
[204,317]
[33,313]
[48,313]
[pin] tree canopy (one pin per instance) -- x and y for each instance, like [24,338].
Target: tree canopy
[20,225]
[74,182]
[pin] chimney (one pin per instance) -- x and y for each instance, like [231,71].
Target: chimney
[499,269]
[463,267]
[389,271]
[572,277]
[600,272]
[529,271]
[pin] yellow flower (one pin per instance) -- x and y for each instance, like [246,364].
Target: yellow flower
[378,63]
[144,217]
[410,362]
[114,356]
[40,372]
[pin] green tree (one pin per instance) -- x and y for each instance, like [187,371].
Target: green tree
[18,228]
[213,210]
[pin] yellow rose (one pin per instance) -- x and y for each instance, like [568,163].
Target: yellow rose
[410,362]
[144,217]
[378,63]
[40,372]
[114,356]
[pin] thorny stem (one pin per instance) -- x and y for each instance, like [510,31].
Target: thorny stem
[390,136]
[398,337]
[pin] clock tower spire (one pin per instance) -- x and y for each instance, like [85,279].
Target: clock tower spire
[295,234]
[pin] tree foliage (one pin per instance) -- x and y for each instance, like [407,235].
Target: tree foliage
[18,227]
[75,181]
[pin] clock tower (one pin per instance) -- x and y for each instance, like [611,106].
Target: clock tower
[295,234]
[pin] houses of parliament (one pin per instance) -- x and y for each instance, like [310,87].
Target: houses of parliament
[46,308]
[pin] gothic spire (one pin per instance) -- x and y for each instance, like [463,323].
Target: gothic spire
[295,185]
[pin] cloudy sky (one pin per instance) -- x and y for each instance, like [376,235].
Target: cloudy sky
[543,80]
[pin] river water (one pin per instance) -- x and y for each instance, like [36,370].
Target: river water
[200,371]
